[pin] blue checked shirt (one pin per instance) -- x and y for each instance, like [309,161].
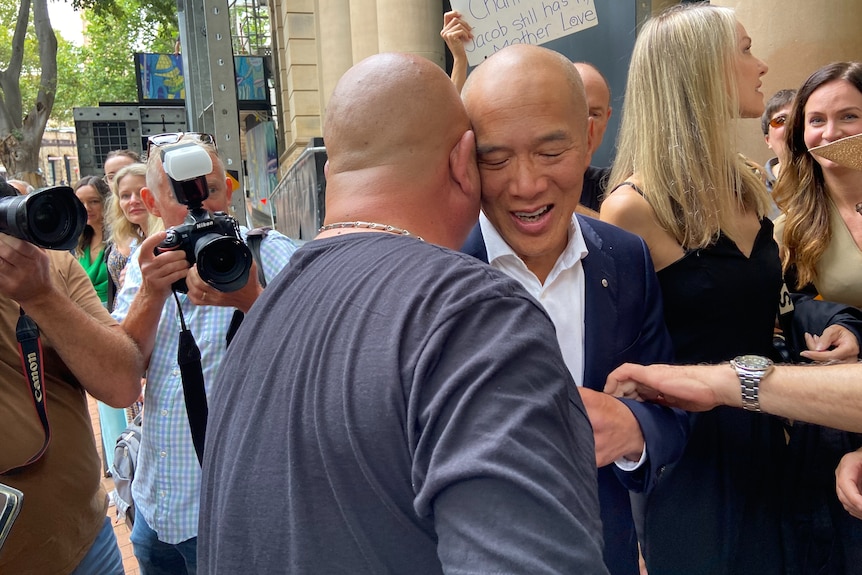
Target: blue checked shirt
[167,481]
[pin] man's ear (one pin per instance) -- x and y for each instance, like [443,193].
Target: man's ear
[462,165]
[610,111]
[149,200]
[591,129]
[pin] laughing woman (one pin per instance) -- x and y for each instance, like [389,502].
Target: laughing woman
[820,239]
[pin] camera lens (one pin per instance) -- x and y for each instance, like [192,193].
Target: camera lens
[46,219]
[52,218]
[223,261]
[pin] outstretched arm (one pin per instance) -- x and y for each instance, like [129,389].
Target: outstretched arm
[826,394]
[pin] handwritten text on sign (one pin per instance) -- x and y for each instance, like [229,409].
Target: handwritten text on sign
[498,23]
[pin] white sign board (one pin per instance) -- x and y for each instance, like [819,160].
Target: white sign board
[498,23]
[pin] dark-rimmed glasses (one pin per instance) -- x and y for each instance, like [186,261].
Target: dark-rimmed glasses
[778,121]
[158,140]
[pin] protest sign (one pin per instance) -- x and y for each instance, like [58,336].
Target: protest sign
[498,23]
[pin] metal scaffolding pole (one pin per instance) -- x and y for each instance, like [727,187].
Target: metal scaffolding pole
[210,82]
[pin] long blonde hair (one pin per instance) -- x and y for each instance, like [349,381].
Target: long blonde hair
[801,190]
[677,130]
[122,230]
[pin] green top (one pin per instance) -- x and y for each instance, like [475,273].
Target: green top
[97,270]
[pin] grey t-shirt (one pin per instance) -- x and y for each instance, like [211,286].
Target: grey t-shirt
[391,406]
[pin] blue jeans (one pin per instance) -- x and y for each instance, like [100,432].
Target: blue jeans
[159,558]
[104,557]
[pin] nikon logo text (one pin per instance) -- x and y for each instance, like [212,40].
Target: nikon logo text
[34,376]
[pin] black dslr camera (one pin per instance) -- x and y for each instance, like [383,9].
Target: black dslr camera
[213,242]
[50,218]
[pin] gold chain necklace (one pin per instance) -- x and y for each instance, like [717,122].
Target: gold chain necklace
[370,226]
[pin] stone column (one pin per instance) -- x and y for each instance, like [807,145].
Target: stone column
[302,83]
[363,24]
[334,45]
[279,44]
[411,26]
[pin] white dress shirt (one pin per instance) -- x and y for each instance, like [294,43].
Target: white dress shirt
[562,296]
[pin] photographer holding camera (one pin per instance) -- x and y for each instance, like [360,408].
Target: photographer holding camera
[187,187]
[48,449]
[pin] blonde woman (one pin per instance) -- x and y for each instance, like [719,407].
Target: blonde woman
[679,183]
[128,218]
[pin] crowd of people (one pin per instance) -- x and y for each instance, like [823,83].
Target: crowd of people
[481,363]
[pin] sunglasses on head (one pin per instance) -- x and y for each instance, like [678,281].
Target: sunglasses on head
[174,137]
[778,121]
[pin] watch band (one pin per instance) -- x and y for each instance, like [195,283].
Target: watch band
[751,369]
[750,384]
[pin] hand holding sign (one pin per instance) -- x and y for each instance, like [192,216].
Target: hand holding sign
[497,23]
[456,32]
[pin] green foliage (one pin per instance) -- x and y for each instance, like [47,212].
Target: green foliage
[159,10]
[70,85]
[113,37]
[103,69]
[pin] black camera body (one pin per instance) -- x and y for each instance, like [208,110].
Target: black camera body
[213,242]
[51,218]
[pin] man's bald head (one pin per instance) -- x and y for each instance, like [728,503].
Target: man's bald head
[392,109]
[400,150]
[598,99]
[526,69]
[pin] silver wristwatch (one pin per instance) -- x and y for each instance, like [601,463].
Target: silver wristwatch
[751,369]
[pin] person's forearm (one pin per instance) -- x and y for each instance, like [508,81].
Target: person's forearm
[142,321]
[825,395]
[104,359]
[459,72]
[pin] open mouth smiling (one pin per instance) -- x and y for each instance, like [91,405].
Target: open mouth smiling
[533,216]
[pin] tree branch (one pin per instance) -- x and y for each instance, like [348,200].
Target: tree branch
[36,120]
[9,78]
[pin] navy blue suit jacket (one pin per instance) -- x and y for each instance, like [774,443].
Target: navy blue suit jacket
[624,322]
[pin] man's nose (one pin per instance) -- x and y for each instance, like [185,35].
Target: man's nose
[529,180]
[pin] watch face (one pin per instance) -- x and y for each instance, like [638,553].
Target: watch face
[756,362]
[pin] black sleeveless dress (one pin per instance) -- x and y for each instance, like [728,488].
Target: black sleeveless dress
[718,509]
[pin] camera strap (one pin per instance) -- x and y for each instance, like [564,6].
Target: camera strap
[253,239]
[194,392]
[27,333]
[189,355]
